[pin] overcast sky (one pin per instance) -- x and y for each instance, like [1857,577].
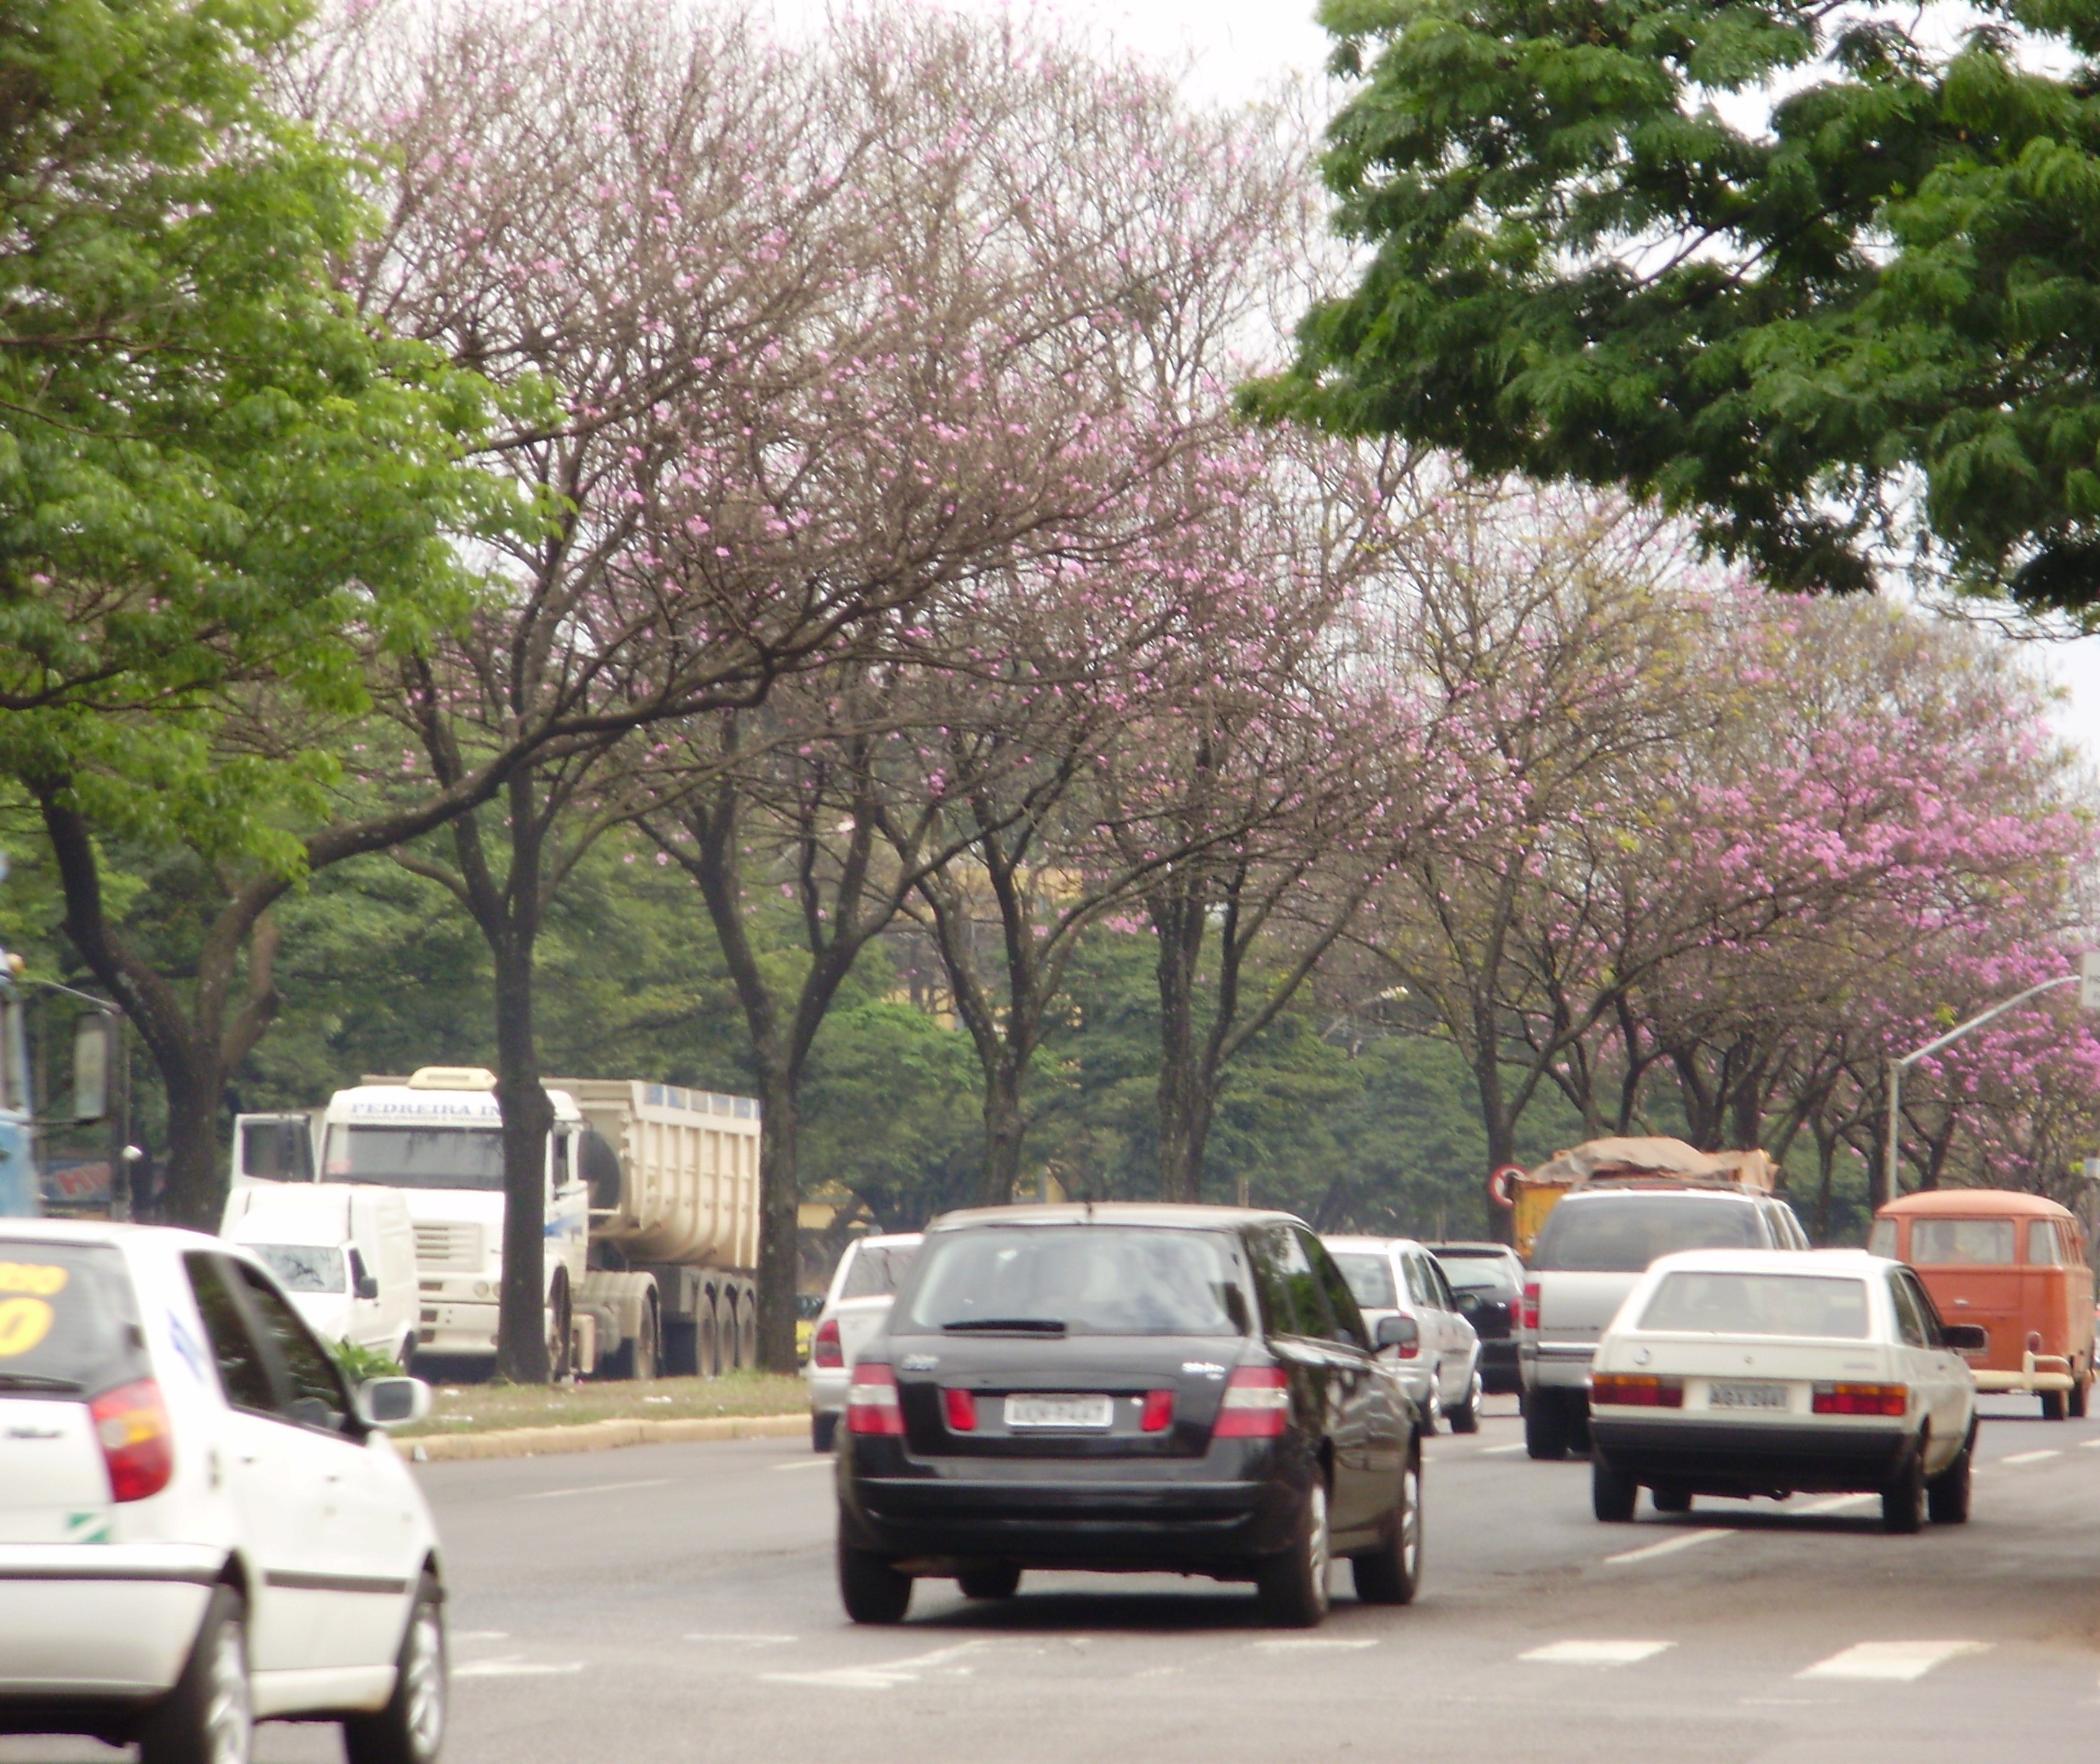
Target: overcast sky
[1232,50]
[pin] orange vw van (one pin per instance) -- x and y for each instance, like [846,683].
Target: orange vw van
[2014,1263]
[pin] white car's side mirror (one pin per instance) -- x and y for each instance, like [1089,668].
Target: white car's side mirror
[392,1402]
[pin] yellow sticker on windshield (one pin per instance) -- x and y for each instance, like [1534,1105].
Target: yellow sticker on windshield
[39,1279]
[23,1322]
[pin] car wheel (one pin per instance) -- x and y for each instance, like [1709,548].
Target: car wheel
[1612,1494]
[823,1432]
[1432,1411]
[412,1727]
[2055,1406]
[1390,1574]
[1001,1582]
[1669,1500]
[1545,1424]
[1947,1495]
[1468,1419]
[1291,1586]
[1903,1500]
[208,1718]
[871,1588]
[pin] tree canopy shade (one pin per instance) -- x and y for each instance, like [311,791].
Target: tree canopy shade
[1869,318]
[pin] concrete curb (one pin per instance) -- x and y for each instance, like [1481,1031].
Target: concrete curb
[600,1436]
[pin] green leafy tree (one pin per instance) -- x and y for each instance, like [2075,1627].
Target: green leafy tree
[1869,322]
[222,494]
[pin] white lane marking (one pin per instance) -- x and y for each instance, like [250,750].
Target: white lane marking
[596,1487]
[2091,1445]
[1596,1653]
[2032,1458]
[883,1676]
[1891,1662]
[1683,1539]
[479,1635]
[1314,1645]
[1837,1503]
[1503,1451]
[809,1463]
[746,1641]
[514,1668]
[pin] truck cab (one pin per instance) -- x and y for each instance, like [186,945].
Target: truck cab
[437,1137]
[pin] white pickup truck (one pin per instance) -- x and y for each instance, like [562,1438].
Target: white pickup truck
[1593,1248]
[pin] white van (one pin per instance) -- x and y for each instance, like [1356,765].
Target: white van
[346,1254]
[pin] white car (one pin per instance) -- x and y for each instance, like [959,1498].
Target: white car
[855,1307]
[201,1525]
[1396,1276]
[1758,1372]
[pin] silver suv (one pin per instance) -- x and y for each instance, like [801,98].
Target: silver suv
[1594,1246]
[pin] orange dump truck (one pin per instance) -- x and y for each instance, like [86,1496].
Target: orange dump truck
[1530,1195]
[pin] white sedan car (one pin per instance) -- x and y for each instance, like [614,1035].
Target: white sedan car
[1759,1372]
[855,1309]
[200,1524]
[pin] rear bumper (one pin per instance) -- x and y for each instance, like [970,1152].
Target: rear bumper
[2036,1373]
[1556,1365]
[828,1389]
[88,1632]
[1123,1526]
[1734,1457]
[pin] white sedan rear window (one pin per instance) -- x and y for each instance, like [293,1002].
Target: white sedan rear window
[1814,1305]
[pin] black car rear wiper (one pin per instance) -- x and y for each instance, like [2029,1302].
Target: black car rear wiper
[1031,1326]
[34,1381]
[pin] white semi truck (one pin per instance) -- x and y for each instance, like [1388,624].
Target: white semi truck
[652,1203]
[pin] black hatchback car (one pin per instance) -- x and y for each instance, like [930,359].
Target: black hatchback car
[1127,1388]
[1488,1280]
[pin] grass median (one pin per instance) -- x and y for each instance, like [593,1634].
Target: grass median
[489,1408]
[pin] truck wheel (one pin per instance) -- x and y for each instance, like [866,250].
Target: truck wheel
[871,1588]
[1545,1424]
[412,1726]
[209,1716]
[2054,1407]
[747,1329]
[1612,1494]
[710,1364]
[560,1361]
[2080,1392]
[646,1358]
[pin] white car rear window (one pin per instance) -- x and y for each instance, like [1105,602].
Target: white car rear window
[1811,1305]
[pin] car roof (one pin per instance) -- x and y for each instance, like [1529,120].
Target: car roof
[1771,1262]
[1973,1203]
[1371,1243]
[1152,1213]
[1471,1249]
[885,1240]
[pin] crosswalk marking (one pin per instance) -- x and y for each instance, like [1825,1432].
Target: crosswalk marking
[1595,1653]
[1683,1539]
[1891,1662]
[2030,1457]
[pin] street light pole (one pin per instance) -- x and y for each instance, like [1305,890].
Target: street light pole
[2087,979]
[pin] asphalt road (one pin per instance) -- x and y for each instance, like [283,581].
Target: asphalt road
[669,1604]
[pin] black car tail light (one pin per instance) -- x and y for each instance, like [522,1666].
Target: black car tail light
[1157,1415]
[1256,1405]
[872,1404]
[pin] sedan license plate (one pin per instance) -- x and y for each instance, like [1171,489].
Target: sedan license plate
[1744,1394]
[1024,1413]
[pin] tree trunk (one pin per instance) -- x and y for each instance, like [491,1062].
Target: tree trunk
[1177,922]
[1004,1127]
[193,1191]
[528,1118]
[779,1238]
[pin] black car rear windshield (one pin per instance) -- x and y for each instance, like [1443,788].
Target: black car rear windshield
[1622,1233]
[69,1325]
[1081,1280]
